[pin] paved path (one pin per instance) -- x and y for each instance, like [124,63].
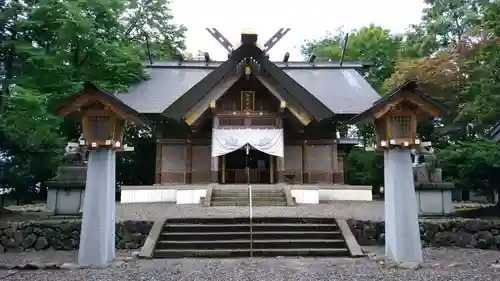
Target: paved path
[343,209]
[447,264]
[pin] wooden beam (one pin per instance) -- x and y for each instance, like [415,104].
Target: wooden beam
[275,39]
[221,39]
[213,95]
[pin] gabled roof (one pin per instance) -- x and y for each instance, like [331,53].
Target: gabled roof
[162,89]
[323,89]
[409,89]
[343,91]
[91,93]
[495,133]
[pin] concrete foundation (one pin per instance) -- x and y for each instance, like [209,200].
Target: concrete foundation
[402,238]
[97,239]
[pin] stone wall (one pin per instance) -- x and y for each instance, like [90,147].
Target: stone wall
[64,235]
[476,233]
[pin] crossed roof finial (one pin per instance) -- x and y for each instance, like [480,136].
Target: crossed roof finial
[229,47]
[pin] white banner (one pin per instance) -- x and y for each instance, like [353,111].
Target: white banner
[269,141]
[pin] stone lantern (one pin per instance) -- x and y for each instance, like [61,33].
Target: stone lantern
[103,118]
[395,118]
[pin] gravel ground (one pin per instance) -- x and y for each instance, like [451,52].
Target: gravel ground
[443,264]
[373,210]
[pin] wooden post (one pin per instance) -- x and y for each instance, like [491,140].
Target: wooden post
[189,162]
[223,168]
[214,168]
[281,167]
[271,169]
[159,162]
[304,163]
[335,166]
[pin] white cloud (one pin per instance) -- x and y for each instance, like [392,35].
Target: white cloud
[307,19]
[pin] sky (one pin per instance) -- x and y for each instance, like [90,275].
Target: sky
[308,20]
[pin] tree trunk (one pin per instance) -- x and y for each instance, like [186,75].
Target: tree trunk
[497,195]
[8,65]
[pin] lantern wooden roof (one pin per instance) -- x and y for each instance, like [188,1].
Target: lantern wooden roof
[90,95]
[409,96]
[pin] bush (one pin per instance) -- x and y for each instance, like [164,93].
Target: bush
[365,168]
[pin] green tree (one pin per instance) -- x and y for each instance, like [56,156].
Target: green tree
[31,143]
[472,165]
[365,168]
[48,48]
[371,43]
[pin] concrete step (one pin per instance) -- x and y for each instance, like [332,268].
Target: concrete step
[225,195]
[256,244]
[246,227]
[212,236]
[234,237]
[246,191]
[246,194]
[226,253]
[260,197]
[238,220]
[237,204]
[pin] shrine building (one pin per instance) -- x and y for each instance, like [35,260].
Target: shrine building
[278,118]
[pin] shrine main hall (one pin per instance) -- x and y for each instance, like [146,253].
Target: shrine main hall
[278,118]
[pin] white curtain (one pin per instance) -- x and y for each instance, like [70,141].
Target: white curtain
[269,141]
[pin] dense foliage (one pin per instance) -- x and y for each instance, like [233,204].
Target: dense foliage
[455,52]
[48,48]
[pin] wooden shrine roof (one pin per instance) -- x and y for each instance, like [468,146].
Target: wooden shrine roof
[409,89]
[91,93]
[324,89]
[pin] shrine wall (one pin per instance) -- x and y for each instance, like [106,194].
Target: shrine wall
[173,164]
[313,163]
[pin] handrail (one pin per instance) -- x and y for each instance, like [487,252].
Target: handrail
[251,218]
[250,203]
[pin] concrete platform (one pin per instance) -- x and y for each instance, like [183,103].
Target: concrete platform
[194,193]
[339,209]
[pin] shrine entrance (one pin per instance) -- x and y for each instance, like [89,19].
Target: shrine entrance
[233,167]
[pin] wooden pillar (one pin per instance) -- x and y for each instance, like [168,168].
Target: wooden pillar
[281,169]
[305,174]
[335,166]
[280,161]
[158,162]
[214,167]
[189,162]
[223,168]
[271,169]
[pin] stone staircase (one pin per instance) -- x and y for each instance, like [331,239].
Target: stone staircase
[232,237]
[237,195]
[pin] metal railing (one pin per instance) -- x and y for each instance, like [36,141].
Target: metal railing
[251,218]
[250,203]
